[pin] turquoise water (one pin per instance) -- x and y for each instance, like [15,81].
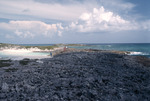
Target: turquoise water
[135,49]
[21,54]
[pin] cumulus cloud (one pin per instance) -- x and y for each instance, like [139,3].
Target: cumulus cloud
[32,28]
[65,10]
[101,20]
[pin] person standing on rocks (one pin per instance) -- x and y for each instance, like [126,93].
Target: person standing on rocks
[65,48]
[51,54]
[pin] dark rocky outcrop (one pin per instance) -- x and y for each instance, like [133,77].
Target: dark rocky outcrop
[77,76]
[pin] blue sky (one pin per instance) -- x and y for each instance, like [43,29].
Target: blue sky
[74,21]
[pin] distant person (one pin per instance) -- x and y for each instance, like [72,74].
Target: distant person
[65,48]
[50,54]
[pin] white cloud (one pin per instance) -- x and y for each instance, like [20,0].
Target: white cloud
[59,33]
[31,28]
[18,33]
[30,8]
[65,10]
[118,5]
[146,25]
[101,20]
[85,16]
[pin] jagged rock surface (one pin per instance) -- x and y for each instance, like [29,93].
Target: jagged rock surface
[77,76]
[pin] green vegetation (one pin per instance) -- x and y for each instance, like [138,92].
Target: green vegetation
[8,45]
[27,47]
[24,61]
[11,70]
[5,63]
[41,47]
[75,45]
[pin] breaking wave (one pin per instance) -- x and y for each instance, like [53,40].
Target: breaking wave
[138,53]
[18,54]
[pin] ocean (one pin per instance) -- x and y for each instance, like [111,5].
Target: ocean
[136,49]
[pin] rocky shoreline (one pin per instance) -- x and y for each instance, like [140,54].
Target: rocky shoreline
[76,75]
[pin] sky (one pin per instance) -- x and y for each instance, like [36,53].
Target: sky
[74,21]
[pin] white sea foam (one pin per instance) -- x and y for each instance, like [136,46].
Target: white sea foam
[137,53]
[18,54]
[109,45]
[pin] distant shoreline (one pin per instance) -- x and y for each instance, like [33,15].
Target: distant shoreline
[130,49]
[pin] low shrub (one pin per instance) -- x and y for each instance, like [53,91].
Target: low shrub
[11,70]
[24,61]
[5,63]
